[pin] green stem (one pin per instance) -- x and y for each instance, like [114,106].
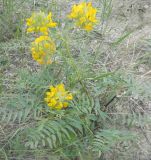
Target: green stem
[74,66]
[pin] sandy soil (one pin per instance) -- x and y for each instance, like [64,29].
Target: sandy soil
[135,16]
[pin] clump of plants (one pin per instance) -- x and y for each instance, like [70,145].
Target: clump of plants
[61,107]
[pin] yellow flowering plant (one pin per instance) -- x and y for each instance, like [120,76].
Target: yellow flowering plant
[43,49]
[40,22]
[65,122]
[84,15]
[57,97]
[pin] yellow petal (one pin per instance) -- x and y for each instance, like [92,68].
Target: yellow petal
[69,97]
[59,105]
[65,104]
[30,30]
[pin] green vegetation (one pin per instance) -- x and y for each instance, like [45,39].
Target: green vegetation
[106,119]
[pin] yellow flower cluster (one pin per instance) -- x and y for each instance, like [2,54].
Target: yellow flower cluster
[42,49]
[40,22]
[58,97]
[84,15]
